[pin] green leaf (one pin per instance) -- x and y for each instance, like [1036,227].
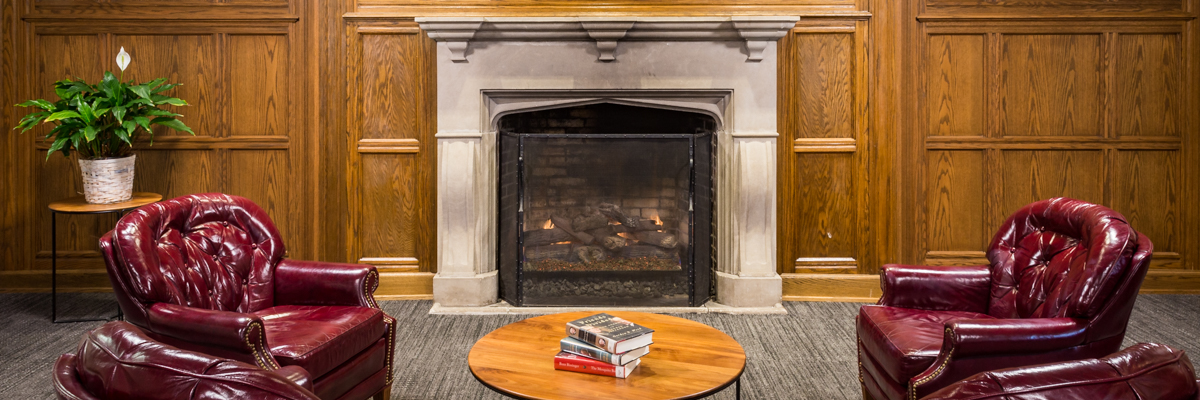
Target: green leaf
[119,113]
[141,90]
[154,112]
[143,122]
[45,105]
[63,115]
[125,133]
[87,113]
[56,146]
[89,133]
[174,101]
[166,87]
[173,124]
[155,83]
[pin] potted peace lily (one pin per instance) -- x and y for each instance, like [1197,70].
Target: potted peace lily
[100,122]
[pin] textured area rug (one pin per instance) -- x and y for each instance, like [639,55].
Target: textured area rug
[807,354]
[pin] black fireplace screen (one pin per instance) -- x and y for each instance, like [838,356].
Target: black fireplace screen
[605,218]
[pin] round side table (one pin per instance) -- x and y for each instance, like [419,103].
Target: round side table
[77,205]
[688,360]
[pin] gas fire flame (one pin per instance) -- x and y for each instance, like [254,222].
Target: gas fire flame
[548,225]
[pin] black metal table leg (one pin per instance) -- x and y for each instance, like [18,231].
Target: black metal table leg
[737,388]
[54,275]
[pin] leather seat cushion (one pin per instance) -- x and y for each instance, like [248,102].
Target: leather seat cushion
[904,342]
[320,338]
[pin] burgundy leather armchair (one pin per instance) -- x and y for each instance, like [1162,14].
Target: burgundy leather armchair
[1061,284]
[207,273]
[1145,371]
[118,361]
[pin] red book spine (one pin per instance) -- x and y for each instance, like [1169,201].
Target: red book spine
[571,362]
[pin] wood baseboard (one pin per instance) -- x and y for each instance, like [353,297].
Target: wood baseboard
[405,286]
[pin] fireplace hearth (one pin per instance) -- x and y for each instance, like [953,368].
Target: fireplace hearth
[606,205]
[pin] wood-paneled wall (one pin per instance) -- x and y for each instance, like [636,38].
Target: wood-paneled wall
[245,69]
[908,130]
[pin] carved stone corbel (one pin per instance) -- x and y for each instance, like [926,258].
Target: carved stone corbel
[457,34]
[606,34]
[760,32]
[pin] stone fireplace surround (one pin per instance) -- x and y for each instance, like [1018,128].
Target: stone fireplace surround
[724,67]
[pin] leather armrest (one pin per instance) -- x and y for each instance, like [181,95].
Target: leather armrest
[325,284]
[976,337]
[230,331]
[936,288]
[66,381]
[298,375]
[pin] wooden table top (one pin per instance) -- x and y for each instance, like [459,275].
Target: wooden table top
[687,360]
[77,204]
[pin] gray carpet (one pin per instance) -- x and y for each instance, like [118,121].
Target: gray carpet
[807,354]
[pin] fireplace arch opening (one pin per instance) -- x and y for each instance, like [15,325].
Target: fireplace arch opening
[606,204]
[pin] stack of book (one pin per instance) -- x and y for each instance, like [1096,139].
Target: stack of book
[603,345]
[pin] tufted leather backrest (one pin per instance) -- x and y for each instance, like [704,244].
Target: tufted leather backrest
[1061,258]
[118,361]
[211,251]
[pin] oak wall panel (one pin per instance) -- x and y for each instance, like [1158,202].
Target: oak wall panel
[956,85]
[259,69]
[1146,191]
[1029,176]
[391,175]
[956,200]
[825,64]
[266,176]
[1148,100]
[1050,85]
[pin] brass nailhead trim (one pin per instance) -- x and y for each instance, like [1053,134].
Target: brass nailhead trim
[260,357]
[912,389]
[371,276]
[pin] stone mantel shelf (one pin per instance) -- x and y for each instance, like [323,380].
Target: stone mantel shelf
[757,32]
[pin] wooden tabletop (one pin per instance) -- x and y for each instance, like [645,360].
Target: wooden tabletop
[687,360]
[77,205]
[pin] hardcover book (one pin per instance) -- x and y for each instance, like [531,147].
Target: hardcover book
[565,361]
[572,345]
[613,334]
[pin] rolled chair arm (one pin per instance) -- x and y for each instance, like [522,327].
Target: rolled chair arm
[319,283]
[970,346]
[981,337]
[231,332]
[298,375]
[936,288]
[66,383]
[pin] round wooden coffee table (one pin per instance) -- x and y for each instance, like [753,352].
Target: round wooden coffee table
[687,360]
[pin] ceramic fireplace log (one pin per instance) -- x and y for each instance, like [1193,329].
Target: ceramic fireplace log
[554,251]
[644,250]
[589,221]
[614,211]
[543,237]
[664,240]
[564,224]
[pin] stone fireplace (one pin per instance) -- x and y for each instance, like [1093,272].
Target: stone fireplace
[722,69]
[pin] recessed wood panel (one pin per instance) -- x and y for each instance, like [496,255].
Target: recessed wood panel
[1050,85]
[191,60]
[1149,96]
[390,207]
[266,178]
[174,173]
[824,205]
[391,71]
[1029,176]
[1146,191]
[956,85]
[824,77]
[954,214]
[259,85]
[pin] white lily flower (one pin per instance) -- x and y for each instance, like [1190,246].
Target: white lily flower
[123,59]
